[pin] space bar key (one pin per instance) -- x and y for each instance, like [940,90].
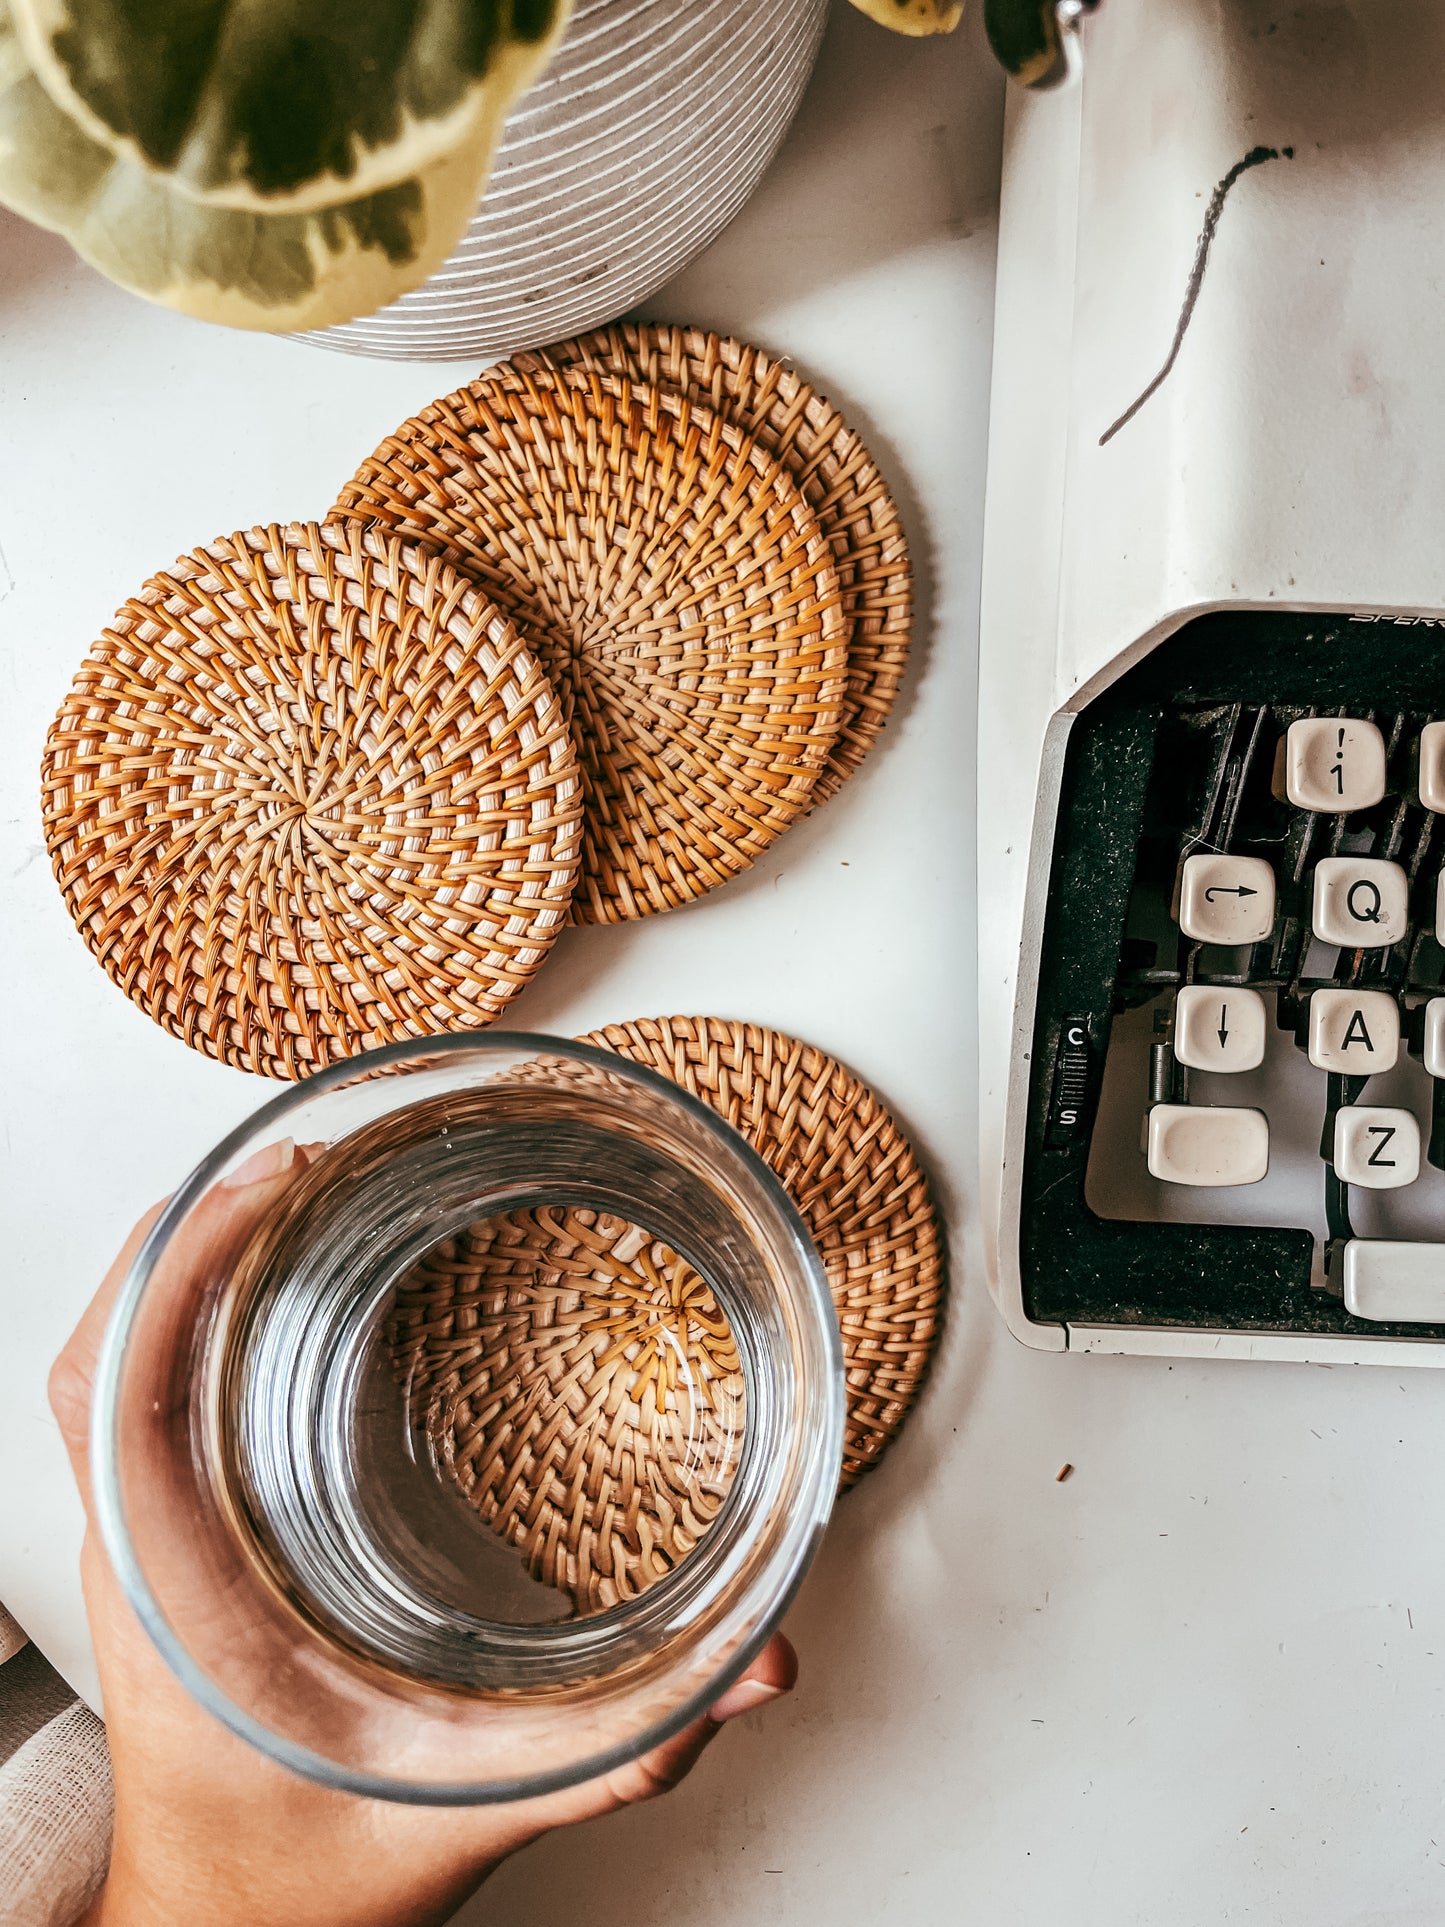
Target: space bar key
[1395,1283]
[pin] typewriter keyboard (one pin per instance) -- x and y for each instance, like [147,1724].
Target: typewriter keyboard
[1237,1110]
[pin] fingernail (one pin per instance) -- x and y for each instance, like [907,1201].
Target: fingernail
[269,1162]
[744,1696]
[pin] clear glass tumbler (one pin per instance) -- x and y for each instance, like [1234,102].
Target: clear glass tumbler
[296,1553]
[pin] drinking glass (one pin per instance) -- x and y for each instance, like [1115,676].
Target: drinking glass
[302,1560]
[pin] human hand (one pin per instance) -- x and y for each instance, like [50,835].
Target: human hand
[207,1829]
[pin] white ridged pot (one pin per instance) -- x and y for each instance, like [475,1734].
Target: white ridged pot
[645,135]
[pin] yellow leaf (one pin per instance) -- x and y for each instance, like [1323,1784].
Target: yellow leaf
[913,16]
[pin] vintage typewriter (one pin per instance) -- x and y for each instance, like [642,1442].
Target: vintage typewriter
[1211,741]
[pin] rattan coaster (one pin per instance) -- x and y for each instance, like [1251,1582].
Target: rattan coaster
[678,590]
[580,1382]
[831,466]
[581,1386]
[310,793]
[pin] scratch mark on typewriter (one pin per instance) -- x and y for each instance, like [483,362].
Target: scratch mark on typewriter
[1254,158]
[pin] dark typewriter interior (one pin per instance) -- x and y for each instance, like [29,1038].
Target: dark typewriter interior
[1177,757]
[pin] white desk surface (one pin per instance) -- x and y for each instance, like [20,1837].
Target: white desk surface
[1199,1682]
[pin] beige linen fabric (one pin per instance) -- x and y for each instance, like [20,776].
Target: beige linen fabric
[56,1811]
[57,1804]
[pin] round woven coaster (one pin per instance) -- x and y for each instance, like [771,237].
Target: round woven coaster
[678,590]
[310,793]
[835,472]
[580,1384]
[579,1379]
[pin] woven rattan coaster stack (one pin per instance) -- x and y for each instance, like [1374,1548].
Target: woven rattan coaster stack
[838,478]
[679,593]
[579,1380]
[311,793]
[577,483]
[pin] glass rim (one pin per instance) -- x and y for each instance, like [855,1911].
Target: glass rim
[792,1561]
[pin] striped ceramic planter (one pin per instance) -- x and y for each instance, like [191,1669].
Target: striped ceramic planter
[642,139]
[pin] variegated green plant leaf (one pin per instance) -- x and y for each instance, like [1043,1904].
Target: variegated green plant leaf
[914,16]
[287,105]
[270,271]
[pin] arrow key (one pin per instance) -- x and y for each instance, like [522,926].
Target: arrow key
[1219,1030]
[1226,899]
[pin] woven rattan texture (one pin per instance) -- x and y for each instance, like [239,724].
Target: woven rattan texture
[543,1349]
[853,1176]
[311,793]
[678,589]
[582,1387]
[835,472]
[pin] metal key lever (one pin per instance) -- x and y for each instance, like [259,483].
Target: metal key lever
[1164,1076]
[1427,1041]
[1339,1091]
[1168,1078]
[1436,1153]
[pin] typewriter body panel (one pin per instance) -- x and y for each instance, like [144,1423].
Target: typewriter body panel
[1260,545]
